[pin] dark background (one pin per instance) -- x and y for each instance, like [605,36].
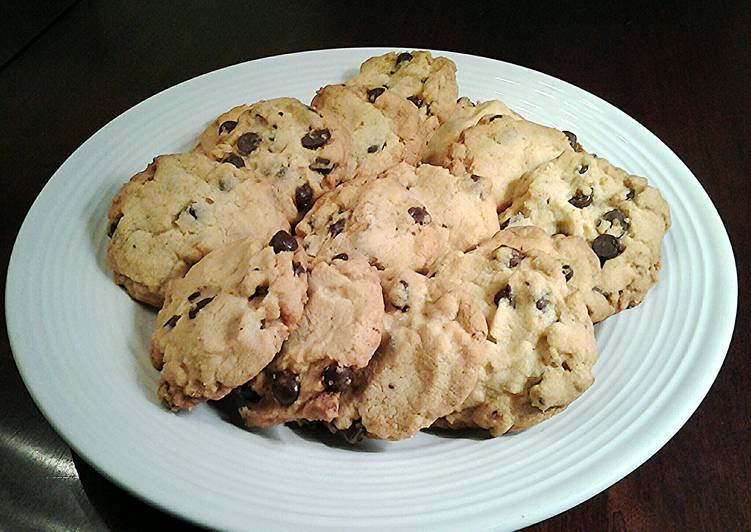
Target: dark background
[70,67]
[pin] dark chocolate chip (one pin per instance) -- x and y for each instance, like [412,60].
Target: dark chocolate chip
[475,177]
[192,212]
[494,117]
[172,321]
[630,194]
[336,378]
[516,258]
[581,200]
[416,100]
[373,94]
[283,241]
[322,166]
[336,228]
[248,142]
[195,310]
[234,160]
[260,291]
[113,225]
[419,215]
[298,269]
[193,296]
[285,387]
[340,256]
[246,394]
[542,303]
[316,138]
[227,126]
[304,198]
[616,216]
[583,168]
[606,247]
[505,293]
[373,148]
[571,139]
[568,272]
[403,58]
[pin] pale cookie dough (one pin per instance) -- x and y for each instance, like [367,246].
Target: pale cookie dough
[383,127]
[176,211]
[404,219]
[466,114]
[426,366]
[540,346]
[618,214]
[226,319]
[291,145]
[428,82]
[502,148]
[339,331]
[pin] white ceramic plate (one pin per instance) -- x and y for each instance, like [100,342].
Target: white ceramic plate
[82,345]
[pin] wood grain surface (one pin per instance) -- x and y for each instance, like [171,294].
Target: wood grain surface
[68,68]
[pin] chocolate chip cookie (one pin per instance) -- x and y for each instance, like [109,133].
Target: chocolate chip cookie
[226,319]
[339,331]
[176,211]
[285,142]
[618,214]
[404,219]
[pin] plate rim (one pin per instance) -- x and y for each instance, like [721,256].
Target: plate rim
[645,451]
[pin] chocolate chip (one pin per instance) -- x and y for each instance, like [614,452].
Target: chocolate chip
[316,138]
[298,269]
[260,291]
[283,241]
[416,100]
[192,212]
[113,225]
[581,200]
[630,194]
[172,321]
[322,166]
[193,296]
[355,433]
[475,177]
[340,256]
[373,94]
[419,215]
[336,228]
[494,117]
[505,293]
[373,148]
[336,378]
[248,142]
[542,303]
[304,198]
[571,139]
[195,310]
[246,394]
[403,58]
[616,216]
[285,387]
[583,168]
[568,272]
[606,247]
[516,258]
[234,160]
[227,126]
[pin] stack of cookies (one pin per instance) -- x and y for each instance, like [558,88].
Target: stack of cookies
[386,259]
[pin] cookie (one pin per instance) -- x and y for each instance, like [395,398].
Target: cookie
[226,319]
[404,219]
[540,346]
[618,214]
[339,331]
[502,148]
[428,82]
[285,142]
[426,366]
[176,211]
[384,128]
[465,115]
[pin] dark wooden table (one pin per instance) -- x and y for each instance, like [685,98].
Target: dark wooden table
[70,67]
